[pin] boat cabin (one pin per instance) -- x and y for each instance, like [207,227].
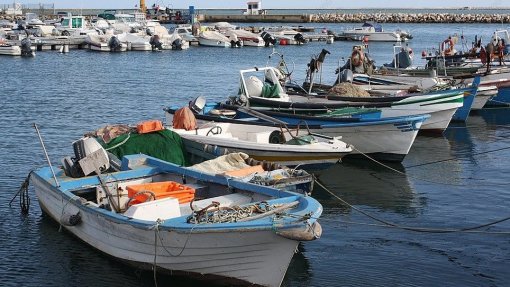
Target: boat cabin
[73,22]
[254,8]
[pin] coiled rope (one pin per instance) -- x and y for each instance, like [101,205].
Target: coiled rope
[384,223]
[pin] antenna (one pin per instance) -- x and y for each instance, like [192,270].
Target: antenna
[46,154]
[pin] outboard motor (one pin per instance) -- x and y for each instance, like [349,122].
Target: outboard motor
[114,44]
[26,47]
[234,41]
[236,44]
[268,39]
[156,43]
[299,38]
[83,148]
[177,44]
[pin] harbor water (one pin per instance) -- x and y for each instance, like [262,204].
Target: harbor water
[458,180]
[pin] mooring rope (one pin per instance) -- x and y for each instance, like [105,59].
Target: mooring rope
[385,223]
[456,158]
[401,172]
[158,235]
[24,198]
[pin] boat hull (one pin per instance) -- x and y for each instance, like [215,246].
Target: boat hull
[373,36]
[386,139]
[105,48]
[213,43]
[288,158]
[502,99]
[10,50]
[251,257]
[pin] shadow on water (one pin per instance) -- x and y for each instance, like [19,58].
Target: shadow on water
[363,182]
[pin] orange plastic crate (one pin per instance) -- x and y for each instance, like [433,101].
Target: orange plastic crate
[164,189]
[149,126]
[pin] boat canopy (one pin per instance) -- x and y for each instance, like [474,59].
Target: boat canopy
[377,27]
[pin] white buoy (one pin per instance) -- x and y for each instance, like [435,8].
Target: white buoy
[61,49]
[66,48]
[330,40]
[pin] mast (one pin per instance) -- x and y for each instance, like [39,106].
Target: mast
[142,6]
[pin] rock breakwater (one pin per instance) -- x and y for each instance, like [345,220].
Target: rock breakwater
[409,18]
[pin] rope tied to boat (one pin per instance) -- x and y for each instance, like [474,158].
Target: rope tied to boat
[24,198]
[157,235]
[384,223]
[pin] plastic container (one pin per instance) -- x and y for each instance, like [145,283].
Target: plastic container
[161,190]
[149,126]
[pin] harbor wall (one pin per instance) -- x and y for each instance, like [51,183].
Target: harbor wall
[304,18]
[362,17]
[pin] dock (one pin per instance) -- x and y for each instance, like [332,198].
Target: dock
[47,44]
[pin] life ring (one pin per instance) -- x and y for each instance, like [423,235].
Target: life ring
[447,50]
[357,58]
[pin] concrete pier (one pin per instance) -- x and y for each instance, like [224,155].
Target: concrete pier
[361,17]
[305,18]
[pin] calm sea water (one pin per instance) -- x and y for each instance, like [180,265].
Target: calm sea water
[68,95]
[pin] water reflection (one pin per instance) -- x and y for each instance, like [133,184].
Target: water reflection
[366,183]
[299,273]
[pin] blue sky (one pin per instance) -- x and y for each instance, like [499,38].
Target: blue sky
[234,4]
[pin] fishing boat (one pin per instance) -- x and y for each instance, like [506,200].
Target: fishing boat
[247,38]
[213,39]
[9,50]
[374,32]
[483,96]
[382,139]
[105,43]
[276,144]
[135,42]
[440,105]
[159,216]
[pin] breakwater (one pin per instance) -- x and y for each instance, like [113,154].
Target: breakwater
[409,18]
[362,17]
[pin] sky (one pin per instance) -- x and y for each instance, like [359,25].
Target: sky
[273,4]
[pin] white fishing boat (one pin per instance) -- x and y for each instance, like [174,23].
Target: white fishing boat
[485,94]
[76,26]
[9,50]
[213,39]
[105,43]
[247,38]
[374,32]
[382,139]
[140,213]
[135,42]
[186,32]
[166,41]
[276,144]
[262,87]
